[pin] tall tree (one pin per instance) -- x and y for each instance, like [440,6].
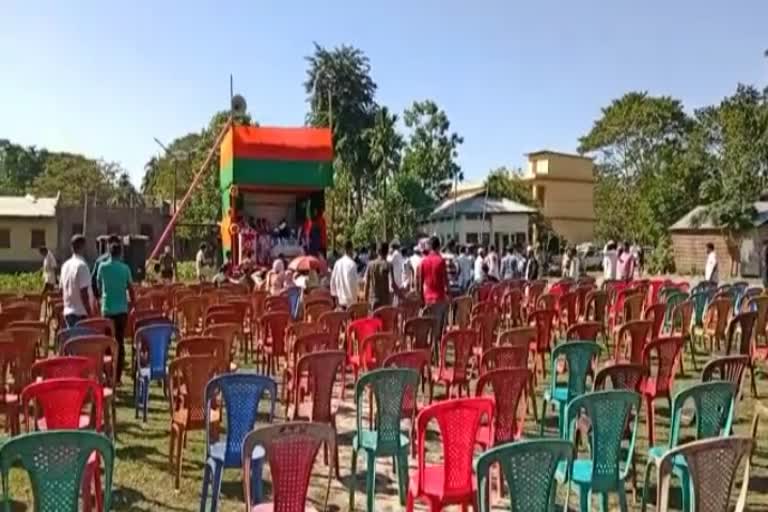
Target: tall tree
[385,145]
[124,193]
[19,166]
[76,178]
[503,183]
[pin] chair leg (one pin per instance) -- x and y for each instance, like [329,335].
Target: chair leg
[646,482]
[650,416]
[402,475]
[353,480]
[692,348]
[543,416]
[409,502]
[180,441]
[145,398]
[207,474]
[257,470]
[370,481]
[216,485]
[752,379]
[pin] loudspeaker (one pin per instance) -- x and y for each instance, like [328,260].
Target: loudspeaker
[135,255]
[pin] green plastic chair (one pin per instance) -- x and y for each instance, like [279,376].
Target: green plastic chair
[578,358]
[672,299]
[529,469]
[389,387]
[609,413]
[55,461]
[713,404]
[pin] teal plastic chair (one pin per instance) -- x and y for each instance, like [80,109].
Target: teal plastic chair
[55,461]
[390,386]
[672,299]
[529,469]
[578,359]
[713,404]
[609,413]
[700,300]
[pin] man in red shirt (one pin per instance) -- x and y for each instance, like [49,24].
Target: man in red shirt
[432,279]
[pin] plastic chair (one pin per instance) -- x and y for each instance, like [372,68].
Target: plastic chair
[716,321]
[713,466]
[655,314]
[272,345]
[58,404]
[189,314]
[659,383]
[728,368]
[518,337]
[587,331]
[680,325]
[621,376]
[390,318]
[314,308]
[543,320]
[485,324]
[462,342]
[357,331]
[638,332]
[596,306]
[188,377]
[296,384]
[451,481]
[67,334]
[290,450]
[418,333]
[462,309]
[504,357]
[60,367]
[578,356]
[529,469]
[56,463]
[151,361]
[609,412]
[713,407]
[230,332]
[335,324]
[484,306]
[512,308]
[567,310]
[36,329]
[417,360]
[508,386]
[101,325]
[358,310]
[386,439]
[241,393]
[214,348]
[745,324]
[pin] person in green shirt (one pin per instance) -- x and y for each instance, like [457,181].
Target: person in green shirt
[115,285]
[103,257]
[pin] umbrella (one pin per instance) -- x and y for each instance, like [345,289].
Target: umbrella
[307,263]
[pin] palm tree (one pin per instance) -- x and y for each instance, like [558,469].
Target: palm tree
[385,145]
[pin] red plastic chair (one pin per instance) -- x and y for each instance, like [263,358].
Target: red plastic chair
[297,384]
[567,310]
[543,320]
[518,337]
[375,349]
[584,331]
[100,325]
[660,357]
[546,301]
[10,364]
[638,332]
[655,314]
[457,374]
[485,324]
[390,318]
[581,291]
[417,333]
[532,292]
[64,367]
[483,292]
[449,482]
[512,307]
[416,360]
[357,331]
[504,357]
[508,387]
[335,324]
[276,304]
[484,307]
[272,344]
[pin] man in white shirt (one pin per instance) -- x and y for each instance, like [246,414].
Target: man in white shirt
[49,269]
[201,262]
[397,261]
[414,262]
[76,284]
[610,260]
[344,284]
[479,274]
[710,268]
[492,260]
[465,268]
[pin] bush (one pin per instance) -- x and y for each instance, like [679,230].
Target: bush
[661,260]
[22,282]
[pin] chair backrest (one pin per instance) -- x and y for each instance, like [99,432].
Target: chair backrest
[334,323]
[700,300]
[632,308]
[596,307]
[485,306]
[310,343]
[55,462]
[291,449]
[667,352]
[745,323]
[228,316]
[152,318]
[712,465]
[298,329]
[458,421]
[578,356]
[504,356]
[204,346]
[719,308]
[584,331]
[96,347]
[655,314]
[410,307]
[242,393]
[273,327]
[320,369]
[485,324]
[155,341]
[12,379]
[358,330]
[729,368]
[358,310]
[418,332]
[609,413]
[376,348]
[389,386]
[462,342]
[64,335]
[682,314]
[188,377]
[508,386]
[390,318]
[518,337]
[59,367]
[567,306]
[638,332]
[546,301]
[60,402]
[101,325]
[316,307]
[543,320]
[37,330]
[462,308]
[277,303]
[529,470]
[713,402]
[621,376]
[230,332]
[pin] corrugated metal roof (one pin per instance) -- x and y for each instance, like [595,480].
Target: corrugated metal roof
[705,222]
[477,203]
[28,206]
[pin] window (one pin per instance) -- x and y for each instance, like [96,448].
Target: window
[113,229]
[146,230]
[471,238]
[37,238]
[486,239]
[541,192]
[77,229]
[5,238]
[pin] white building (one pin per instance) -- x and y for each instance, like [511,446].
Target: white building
[475,219]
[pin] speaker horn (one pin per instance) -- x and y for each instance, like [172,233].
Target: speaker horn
[238,104]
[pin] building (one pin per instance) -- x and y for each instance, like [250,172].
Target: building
[563,185]
[480,220]
[26,224]
[691,234]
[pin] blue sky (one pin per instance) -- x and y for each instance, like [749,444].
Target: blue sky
[104,78]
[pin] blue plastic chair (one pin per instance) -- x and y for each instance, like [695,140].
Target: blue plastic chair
[713,404]
[152,342]
[64,335]
[294,298]
[578,359]
[604,472]
[241,392]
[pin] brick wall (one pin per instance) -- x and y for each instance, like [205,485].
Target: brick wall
[690,252]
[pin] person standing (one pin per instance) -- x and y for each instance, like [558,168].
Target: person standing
[507,264]
[465,268]
[574,264]
[75,284]
[167,265]
[201,262]
[610,258]
[344,284]
[379,281]
[493,263]
[432,280]
[531,265]
[479,261]
[104,256]
[395,259]
[710,267]
[49,269]
[625,268]
[412,266]
[115,284]
[452,267]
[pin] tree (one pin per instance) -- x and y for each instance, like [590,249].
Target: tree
[503,183]
[124,193]
[76,178]
[432,148]
[19,166]
[385,145]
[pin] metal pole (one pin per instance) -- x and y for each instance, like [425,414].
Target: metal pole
[173,199]
[195,182]
[455,200]
[482,219]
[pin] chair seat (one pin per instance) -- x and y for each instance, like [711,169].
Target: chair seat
[84,422]
[434,476]
[217,451]
[369,440]
[270,507]
[582,472]
[559,394]
[448,375]
[650,387]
